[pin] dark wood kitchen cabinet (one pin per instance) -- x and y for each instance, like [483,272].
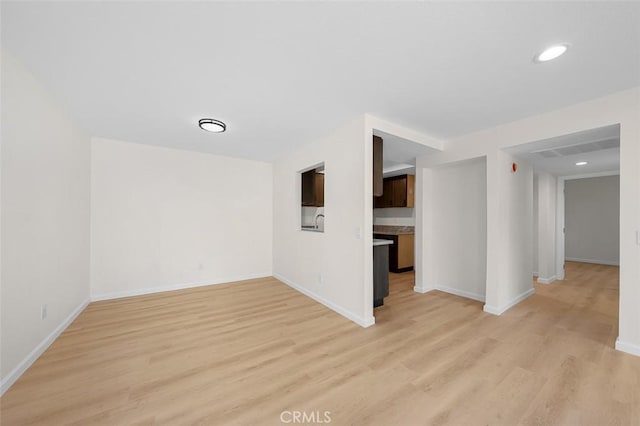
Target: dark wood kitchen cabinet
[313,189]
[397,191]
[378,178]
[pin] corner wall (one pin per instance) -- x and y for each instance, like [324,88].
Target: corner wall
[45,219]
[331,266]
[546,228]
[457,200]
[620,108]
[509,232]
[164,219]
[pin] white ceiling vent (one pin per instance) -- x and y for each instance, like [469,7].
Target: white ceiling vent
[580,149]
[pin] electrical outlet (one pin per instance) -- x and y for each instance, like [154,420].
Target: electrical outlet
[43,312]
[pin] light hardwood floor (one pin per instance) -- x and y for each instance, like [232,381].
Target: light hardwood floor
[243,353]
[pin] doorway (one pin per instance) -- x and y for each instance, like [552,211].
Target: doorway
[577,213]
[393,215]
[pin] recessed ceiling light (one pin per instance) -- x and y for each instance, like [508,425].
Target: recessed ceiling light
[551,52]
[581,163]
[211,125]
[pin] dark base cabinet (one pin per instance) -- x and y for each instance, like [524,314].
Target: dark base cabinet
[400,253]
[380,274]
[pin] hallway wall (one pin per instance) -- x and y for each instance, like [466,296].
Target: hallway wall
[592,220]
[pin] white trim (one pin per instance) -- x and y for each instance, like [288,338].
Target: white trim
[560,229]
[461,293]
[627,347]
[549,280]
[501,310]
[596,261]
[182,286]
[451,290]
[363,322]
[15,374]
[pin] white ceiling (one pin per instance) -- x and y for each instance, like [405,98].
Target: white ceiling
[600,148]
[282,74]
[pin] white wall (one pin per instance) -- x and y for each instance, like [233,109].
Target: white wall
[509,232]
[45,218]
[459,228]
[620,108]
[546,228]
[331,266]
[395,216]
[592,220]
[166,218]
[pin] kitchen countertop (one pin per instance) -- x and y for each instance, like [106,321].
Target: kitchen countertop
[312,229]
[393,230]
[380,242]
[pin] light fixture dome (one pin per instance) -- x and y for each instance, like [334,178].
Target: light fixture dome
[212,125]
[551,52]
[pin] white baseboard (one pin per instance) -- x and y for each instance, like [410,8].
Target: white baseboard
[173,287]
[627,347]
[596,261]
[451,290]
[361,321]
[15,374]
[501,310]
[549,280]
[461,293]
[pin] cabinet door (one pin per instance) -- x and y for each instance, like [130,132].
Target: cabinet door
[319,190]
[377,166]
[399,192]
[387,193]
[405,251]
[308,188]
[410,188]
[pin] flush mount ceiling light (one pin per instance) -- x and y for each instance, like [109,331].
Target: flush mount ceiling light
[581,163]
[211,125]
[551,52]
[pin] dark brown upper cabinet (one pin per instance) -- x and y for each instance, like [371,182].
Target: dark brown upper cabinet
[313,189]
[377,167]
[397,191]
